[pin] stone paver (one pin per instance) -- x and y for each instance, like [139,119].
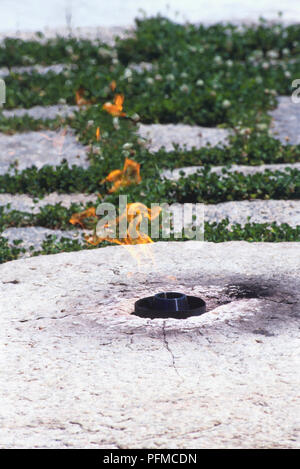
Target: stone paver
[259,211]
[42,112]
[41,69]
[80,371]
[39,149]
[104,34]
[164,135]
[34,236]
[247,211]
[175,174]
[26,203]
[286,118]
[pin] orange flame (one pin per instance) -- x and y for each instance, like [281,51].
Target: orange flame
[130,174]
[113,85]
[79,98]
[116,108]
[98,136]
[78,218]
[135,214]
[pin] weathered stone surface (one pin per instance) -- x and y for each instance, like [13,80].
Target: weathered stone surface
[41,69]
[79,370]
[286,121]
[88,15]
[164,135]
[42,112]
[175,174]
[33,236]
[258,211]
[102,33]
[39,149]
[28,204]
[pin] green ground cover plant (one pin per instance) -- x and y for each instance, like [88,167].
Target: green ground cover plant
[200,75]
[49,216]
[220,75]
[214,232]
[204,186]
[17,52]
[9,251]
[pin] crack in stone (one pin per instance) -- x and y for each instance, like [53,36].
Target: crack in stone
[280,302]
[39,318]
[77,423]
[199,433]
[166,344]
[89,430]
[47,317]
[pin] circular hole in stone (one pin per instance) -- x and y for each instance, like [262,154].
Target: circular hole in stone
[169,305]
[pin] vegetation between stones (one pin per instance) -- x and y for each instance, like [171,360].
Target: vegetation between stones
[221,75]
